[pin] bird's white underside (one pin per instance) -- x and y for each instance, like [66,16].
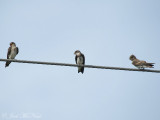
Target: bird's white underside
[80,60]
[142,66]
[13,53]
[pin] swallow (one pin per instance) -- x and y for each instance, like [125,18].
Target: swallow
[80,60]
[140,63]
[12,52]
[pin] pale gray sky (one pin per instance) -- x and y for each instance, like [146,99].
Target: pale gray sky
[107,32]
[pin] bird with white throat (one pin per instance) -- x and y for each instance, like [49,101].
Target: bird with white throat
[80,60]
[12,52]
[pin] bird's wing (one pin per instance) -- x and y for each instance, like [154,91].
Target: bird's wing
[17,50]
[83,59]
[143,62]
[76,59]
[138,62]
[150,63]
[9,52]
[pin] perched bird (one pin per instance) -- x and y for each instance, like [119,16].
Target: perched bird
[12,52]
[140,63]
[80,60]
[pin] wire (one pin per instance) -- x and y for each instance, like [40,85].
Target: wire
[74,65]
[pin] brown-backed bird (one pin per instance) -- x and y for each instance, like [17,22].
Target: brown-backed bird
[140,63]
[80,60]
[12,52]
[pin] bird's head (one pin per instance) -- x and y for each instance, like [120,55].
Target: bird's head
[132,57]
[12,43]
[77,52]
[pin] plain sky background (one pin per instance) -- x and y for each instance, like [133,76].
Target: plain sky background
[107,32]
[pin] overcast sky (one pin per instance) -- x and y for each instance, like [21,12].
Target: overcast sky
[107,32]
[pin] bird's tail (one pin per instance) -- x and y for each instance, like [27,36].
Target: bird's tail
[150,65]
[7,63]
[81,69]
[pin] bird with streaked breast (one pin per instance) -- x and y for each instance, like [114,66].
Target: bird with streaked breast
[80,60]
[140,63]
[12,52]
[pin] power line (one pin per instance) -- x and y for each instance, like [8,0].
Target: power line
[74,65]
